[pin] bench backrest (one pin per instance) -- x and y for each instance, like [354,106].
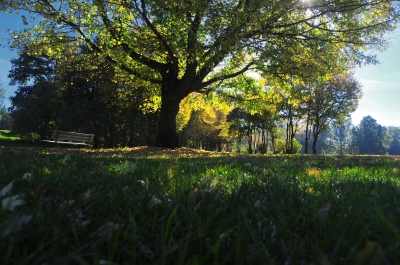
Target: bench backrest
[58,135]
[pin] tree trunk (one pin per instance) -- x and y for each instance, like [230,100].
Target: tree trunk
[166,132]
[316,132]
[307,136]
[314,145]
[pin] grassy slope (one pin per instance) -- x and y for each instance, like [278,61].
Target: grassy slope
[144,205]
[9,139]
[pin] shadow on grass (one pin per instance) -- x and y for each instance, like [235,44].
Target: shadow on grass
[210,208]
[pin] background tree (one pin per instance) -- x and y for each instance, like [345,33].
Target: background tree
[4,120]
[242,126]
[203,130]
[291,112]
[369,137]
[35,105]
[332,101]
[79,92]
[342,134]
[394,133]
[266,126]
[186,46]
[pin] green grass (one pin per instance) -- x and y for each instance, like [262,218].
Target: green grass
[130,207]
[8,139]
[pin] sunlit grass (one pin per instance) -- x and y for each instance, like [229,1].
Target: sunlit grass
[142,205]
[7,135]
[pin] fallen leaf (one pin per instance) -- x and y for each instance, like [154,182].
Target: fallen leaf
[154,203]
[257,204]
[27,176]
[80,220]
[203,182]
[66,203]
[274,232]
[107,262]
[6,189]
[88,193]
[321,257]
[106,230]
[46,170]
[324,211]
[370,254]
[170,172]
[9,203]
[16,224]
[145,252]
[203,194]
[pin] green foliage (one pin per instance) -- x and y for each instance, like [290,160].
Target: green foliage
[195,46]
[394,133]
[370,137]
[123,169]
[7,135]
[4,116]
[332,101]
[102,207]
[280,146]
[79,93]
[205,129]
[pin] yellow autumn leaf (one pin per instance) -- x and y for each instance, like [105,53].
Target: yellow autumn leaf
[88,193]
[370,254]
[46,170]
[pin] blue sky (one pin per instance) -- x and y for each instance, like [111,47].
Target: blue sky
[381,83]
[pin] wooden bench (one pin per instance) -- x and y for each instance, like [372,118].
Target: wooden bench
[69,138]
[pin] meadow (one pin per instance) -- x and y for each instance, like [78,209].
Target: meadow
[153,206]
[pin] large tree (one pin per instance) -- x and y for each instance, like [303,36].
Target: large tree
[332,101]
[3,112]
[34,107]
[370,137]
[187,46]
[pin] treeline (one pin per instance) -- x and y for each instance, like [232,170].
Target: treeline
[368,137]
[79,93]
[258,134]
[82,93]
[5,119]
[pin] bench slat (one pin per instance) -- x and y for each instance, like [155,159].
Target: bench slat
[74,138]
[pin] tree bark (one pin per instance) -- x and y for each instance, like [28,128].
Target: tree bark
[314,145]
[316,133]
[307,136]
[166,131]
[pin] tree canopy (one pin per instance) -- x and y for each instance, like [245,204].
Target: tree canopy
[193,45]
[370,137]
